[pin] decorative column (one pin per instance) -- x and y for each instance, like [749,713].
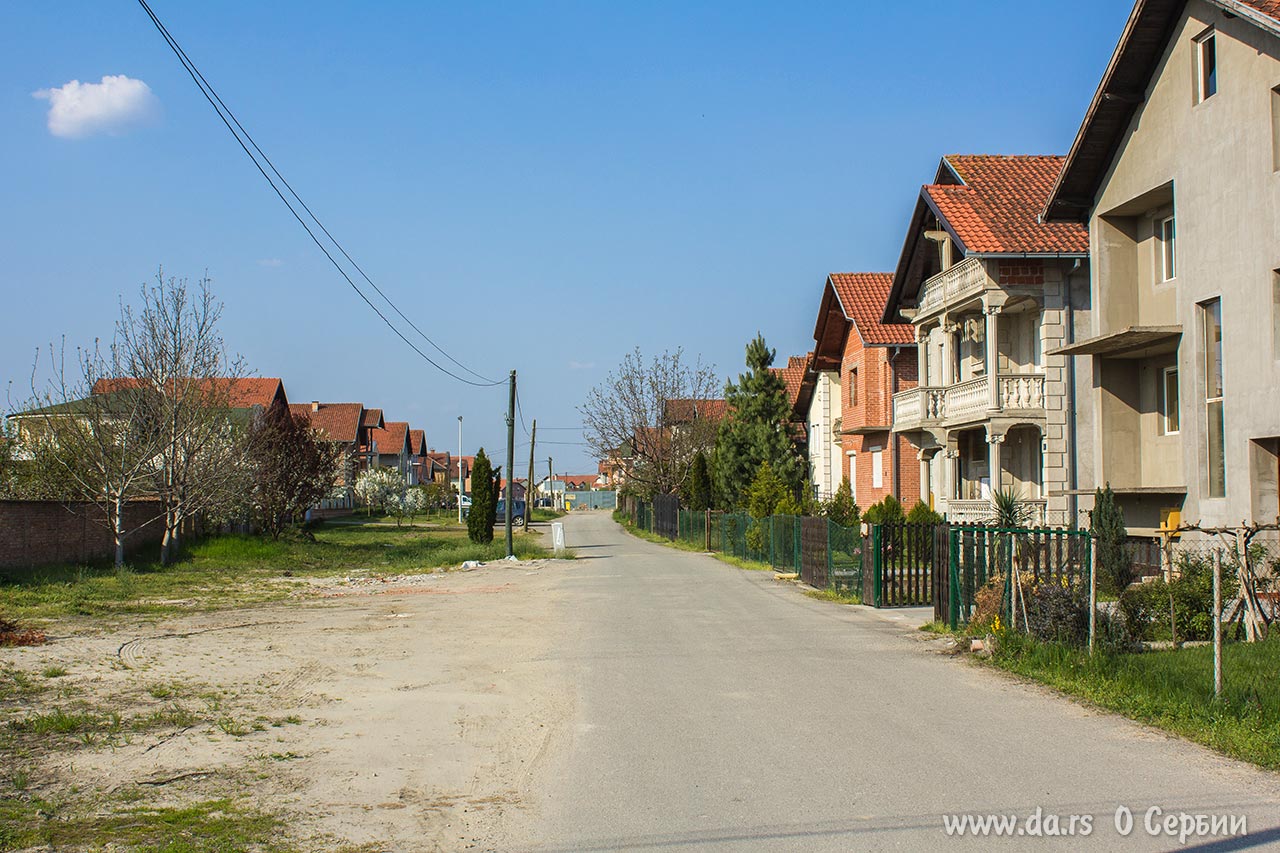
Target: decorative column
[926,487]
[922,358]
[994,473]
[993,354]
[948,350]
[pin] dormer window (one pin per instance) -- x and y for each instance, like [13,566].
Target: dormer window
[1206,66]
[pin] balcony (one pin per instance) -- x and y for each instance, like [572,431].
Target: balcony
[969,401]
[980,512]
[951,286]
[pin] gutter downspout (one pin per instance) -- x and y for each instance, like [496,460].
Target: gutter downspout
[1073,482]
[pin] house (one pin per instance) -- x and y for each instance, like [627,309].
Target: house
[390,448]
[419,463]
[241,393]
[342,424]
[859,362]
[438,467]
[461,467]
[993,292]
[792,376]
[1176,172]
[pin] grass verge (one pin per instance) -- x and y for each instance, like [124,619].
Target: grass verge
[838,596]
[232,571]
[1172,690]
[681,545]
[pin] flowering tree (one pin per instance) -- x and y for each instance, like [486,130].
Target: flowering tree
[383,488]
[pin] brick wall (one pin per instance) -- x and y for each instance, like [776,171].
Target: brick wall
[878,381]
[34,533]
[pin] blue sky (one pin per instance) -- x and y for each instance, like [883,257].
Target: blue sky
[539,185]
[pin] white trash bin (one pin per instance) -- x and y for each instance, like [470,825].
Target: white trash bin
[557,537]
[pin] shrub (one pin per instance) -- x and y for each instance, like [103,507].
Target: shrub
[1115,567]
[887,511]
[1146,611]
[922,513]
[788,505]
[484,501]
[841,509]
[988,605]
[1057,613]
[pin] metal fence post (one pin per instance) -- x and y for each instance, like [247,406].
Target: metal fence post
[1217,623]
[953,581]
[875,564]
[1093,590]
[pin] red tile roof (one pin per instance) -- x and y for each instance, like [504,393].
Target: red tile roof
[793,374]
[391,438]
[417,442]
[338,421]
[372,419]
[1266,7]
[242,393]
[680,411]
[862,297]
[995,209]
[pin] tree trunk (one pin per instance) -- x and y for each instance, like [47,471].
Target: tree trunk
[118,524]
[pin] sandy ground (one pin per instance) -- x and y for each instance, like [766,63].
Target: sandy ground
[419,709]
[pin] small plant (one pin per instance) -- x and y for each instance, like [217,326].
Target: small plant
[887,511]
[54,671]
[1009,510]
[922,513]
[1115,564]
[842,509]
[231,726]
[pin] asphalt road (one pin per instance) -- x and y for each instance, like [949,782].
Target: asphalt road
[719,709]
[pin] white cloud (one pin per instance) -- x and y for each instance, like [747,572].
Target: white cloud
[80,109]
[270,262]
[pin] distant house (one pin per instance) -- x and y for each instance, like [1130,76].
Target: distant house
[390,447]
[419,463]
[342,424]
[241,393]
[439,466]
[792,376]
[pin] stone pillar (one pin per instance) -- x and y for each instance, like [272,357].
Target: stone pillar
[926,487]
[993,355]
[994,473]
[922,358]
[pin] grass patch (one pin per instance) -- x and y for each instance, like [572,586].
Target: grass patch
[839,596]
[936,627]
[1172,690]
[682,545]
[232,571]
[543,514]
[54,671]
[215,826]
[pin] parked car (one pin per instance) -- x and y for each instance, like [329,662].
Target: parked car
[517,512]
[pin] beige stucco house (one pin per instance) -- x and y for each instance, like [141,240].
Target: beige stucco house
[993,292]
[1176,171]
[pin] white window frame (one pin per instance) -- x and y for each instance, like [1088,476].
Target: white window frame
[1206,38]
[1167,245]
[1209,365]
[877,469]
[1166,403]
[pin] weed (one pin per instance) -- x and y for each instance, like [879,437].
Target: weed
[231,726]
[839,596]
[936,627]
[21,780]
[54,671]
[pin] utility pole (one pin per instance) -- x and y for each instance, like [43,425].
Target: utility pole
[528,487]
[460,480]
[551,486]
[511,456]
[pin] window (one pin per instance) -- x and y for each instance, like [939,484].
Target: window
[853,387]
[1170,408]
[1275,314]
[1168,237]
[1206,66]
[877,468]
[1275,129]
[1215,424]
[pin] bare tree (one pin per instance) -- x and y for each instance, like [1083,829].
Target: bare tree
[104,446]
[293,469]
[171,347]
[655,415]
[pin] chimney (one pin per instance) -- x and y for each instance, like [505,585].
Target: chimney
[315,405]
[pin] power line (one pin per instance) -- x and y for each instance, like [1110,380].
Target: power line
[224,113]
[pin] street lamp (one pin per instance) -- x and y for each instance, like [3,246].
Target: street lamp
[459,469]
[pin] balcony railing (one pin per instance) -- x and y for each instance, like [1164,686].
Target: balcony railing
[967,401]
[965,279]
[980,512]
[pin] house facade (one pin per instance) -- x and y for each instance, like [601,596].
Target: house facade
[859,362]
[390,447]
[993,292]
[343,424]
[1176,171]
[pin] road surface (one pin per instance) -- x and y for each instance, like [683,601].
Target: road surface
[719,709]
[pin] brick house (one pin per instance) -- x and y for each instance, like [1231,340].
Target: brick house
[343,424]
[992,291]
[390,447]
[859,362]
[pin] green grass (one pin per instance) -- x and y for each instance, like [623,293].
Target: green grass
[543,514]
[682,545]
[936,627]
[214,826]
[839,596]
[231,571]
[1172,690]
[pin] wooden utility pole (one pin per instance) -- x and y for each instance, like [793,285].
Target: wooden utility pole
[551,486]
[511,457]
[528,488]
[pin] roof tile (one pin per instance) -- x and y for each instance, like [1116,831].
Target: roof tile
[862,297]
[338,421]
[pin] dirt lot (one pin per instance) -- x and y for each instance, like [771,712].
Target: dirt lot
[408,713]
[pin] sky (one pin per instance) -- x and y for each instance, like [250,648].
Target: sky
[538,186]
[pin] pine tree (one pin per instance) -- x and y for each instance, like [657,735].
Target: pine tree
[757,430]
[841,509]
[480,518]
[1115,566]
[697,491]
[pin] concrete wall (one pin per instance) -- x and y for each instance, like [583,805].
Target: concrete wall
[1215,162]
